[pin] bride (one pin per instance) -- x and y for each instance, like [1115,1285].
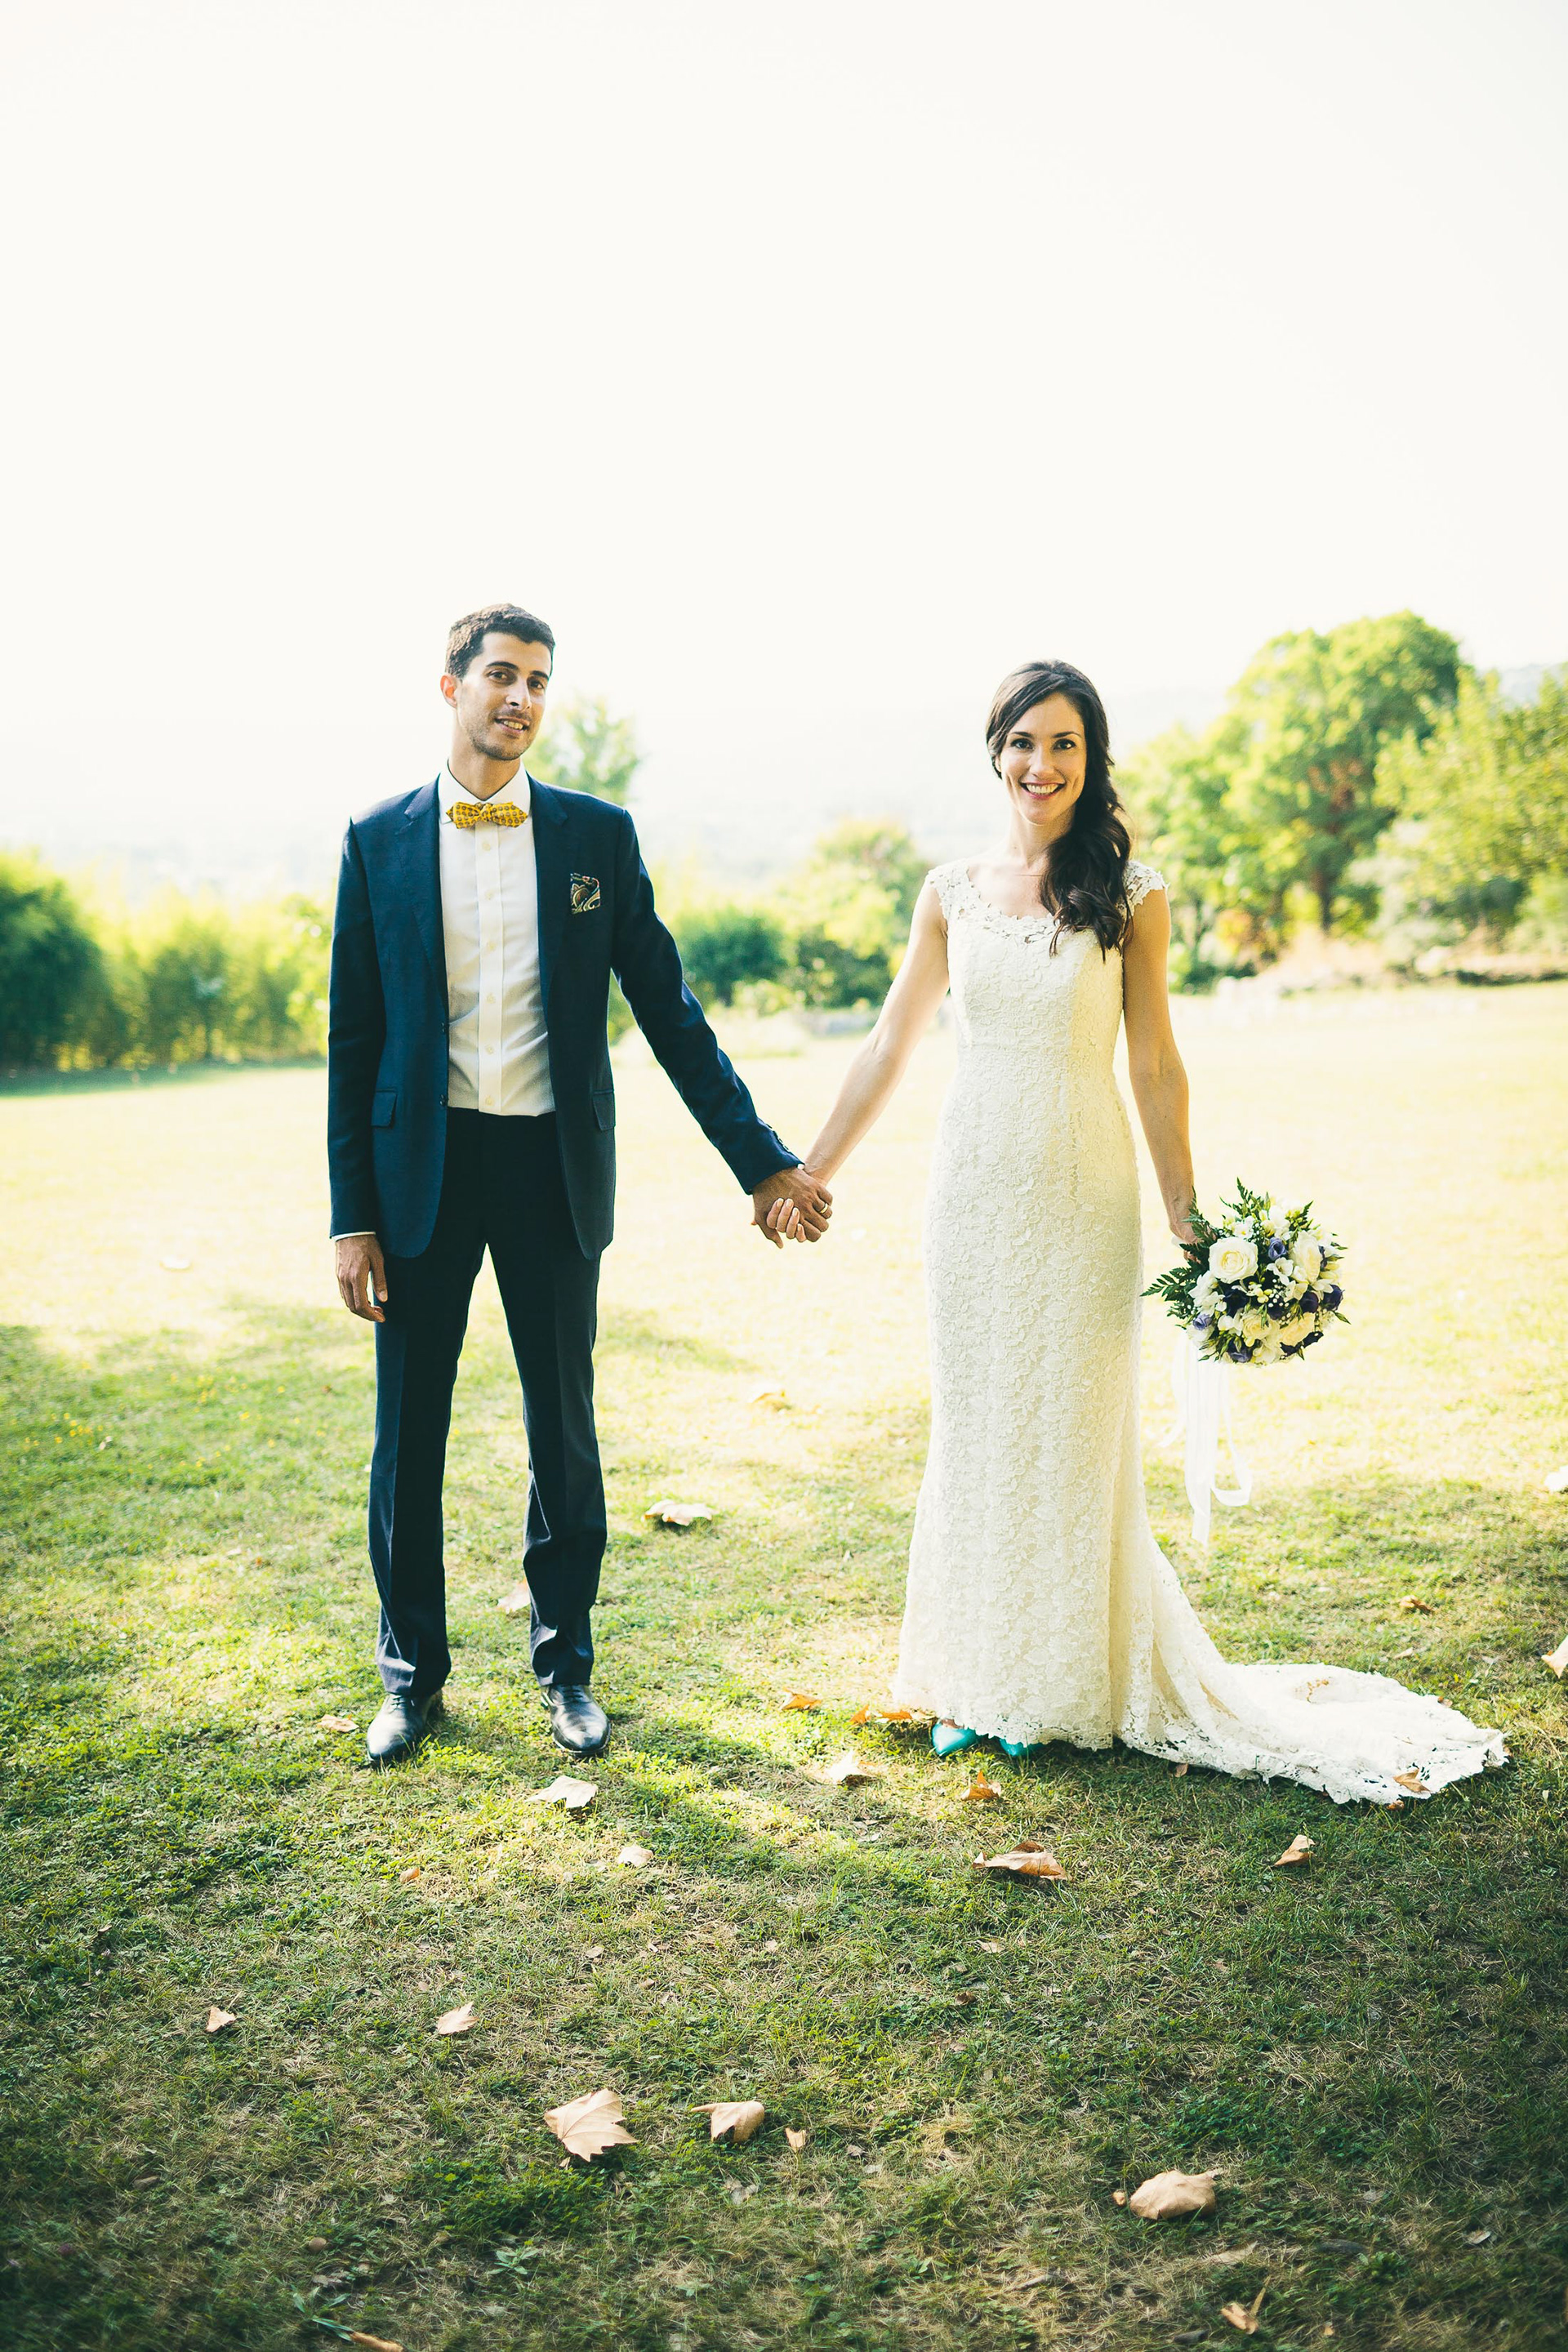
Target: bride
[1039,1606]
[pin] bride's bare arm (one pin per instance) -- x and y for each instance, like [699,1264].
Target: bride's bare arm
[1154,1064]
[906,1015]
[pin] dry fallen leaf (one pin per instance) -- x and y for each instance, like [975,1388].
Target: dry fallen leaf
[981,1792]
[1414,1600]
[635,1857]
[1118,2196]
[1244,2315]
[219,2018]
[801,1702]
[881,1715]
[1297,1850]
[1409,1781]
[456,2021]
[595,1952]
[575,1795]
[739,2117]
[338,1723]
[373,2342]
[776,1397]
[989,1947]
[588,2126]
[1477,2237]
[797,2139]
[1558,1658]
[1178,1772]
[676,1514]
[1168,2194]
[846,1769]
[408,1876]
[516,1603]
[1026,1860]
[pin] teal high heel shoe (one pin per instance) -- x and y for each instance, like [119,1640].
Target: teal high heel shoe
[947,1738]
[1016,1748]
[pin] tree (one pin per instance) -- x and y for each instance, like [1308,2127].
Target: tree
[1177,789]
[725,945]
[1307,724]
[585,749]
[186,951]
[851,907]
[1482,805]
[50,965]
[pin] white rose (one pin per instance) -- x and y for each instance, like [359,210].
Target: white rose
[1271,1350]
[1309,1256]
[1232,1258]
[1205,1290]
[1292,1334]
[1255,1324]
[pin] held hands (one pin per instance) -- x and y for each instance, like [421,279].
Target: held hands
[790,1206]
[362,1276]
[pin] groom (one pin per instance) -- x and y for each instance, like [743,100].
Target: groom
[470,1106]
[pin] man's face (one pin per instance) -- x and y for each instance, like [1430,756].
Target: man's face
[499,701]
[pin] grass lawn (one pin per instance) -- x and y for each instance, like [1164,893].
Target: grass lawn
[1369,2049]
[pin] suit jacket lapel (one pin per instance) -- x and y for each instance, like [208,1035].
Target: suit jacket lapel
[421,847]
[552,864]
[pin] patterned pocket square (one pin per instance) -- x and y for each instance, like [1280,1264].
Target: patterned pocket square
[584,893]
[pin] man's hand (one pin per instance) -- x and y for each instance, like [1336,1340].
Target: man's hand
[792,1205]
[362,1276]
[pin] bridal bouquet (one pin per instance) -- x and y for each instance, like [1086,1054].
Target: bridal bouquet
[1256,1287]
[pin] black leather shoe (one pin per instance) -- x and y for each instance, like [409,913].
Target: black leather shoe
[400,1726]
[577,1722]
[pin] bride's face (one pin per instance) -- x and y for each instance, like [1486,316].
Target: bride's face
[1044,761]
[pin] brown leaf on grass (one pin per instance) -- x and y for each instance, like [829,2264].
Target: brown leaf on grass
[338,1723]
[1297,1850]
[516,1603]
[373,2342]
[1244,2315]
[633,1857]
[881,1715]
[981,1792]
[1414,1600]
[1412,1781]
[218,2020]
[738,2117]
[1165,2194]
[846,1770]
[797,2139]
[575,1795]
[801,1703]
[672,1513]
[774,1397]
[595,1952]
[408,1876]
[457,2020]
[1178,1772]
[1477,2237]
[588,2126]
[1025,1860]
[1118,2196]
[989,1947]
[1557,1659]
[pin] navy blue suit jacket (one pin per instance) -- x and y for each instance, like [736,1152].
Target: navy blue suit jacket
[386,1051]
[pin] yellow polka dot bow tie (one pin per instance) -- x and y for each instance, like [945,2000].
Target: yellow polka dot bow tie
[469,813]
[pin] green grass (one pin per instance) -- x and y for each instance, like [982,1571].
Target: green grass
[1369,2050]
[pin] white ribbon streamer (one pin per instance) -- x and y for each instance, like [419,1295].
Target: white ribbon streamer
[1201,1387]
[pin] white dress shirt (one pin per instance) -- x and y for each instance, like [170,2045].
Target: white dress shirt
[498,1049]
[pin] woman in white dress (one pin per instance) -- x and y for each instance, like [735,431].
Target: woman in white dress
[1039,1606]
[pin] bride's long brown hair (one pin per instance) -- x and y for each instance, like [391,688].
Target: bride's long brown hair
[1085,885]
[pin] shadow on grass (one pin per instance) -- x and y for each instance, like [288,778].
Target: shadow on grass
[22,1083]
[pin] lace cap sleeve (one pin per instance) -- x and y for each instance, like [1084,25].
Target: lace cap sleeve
[945,880]
[1141,880]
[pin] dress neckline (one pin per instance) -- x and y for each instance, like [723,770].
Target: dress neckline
[1042,921]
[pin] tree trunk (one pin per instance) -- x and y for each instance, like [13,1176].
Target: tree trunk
[1324,884]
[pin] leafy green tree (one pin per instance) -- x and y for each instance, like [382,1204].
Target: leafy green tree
[1483,810]
[185,949]
[50,966]
[726,945]
[1177,788]
[851,907]
[585,749]
[1303,733]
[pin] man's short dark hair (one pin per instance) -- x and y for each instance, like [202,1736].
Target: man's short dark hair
[465,637]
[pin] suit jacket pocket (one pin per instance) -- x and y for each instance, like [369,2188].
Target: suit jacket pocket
[383,1110]
[603,1101]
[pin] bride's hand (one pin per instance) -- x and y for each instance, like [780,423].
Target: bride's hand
[1182,1227]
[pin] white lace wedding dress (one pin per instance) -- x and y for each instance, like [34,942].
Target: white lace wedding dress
[1040,1607]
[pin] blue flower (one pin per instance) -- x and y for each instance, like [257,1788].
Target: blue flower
[1239,1352]
[1279,1310]
[1333,1295]
[1309,1302]
[1279,1249]
[1202,1322]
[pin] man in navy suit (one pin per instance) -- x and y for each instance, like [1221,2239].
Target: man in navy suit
[470,1105]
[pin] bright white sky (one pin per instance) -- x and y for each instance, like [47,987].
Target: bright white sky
[805,366]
